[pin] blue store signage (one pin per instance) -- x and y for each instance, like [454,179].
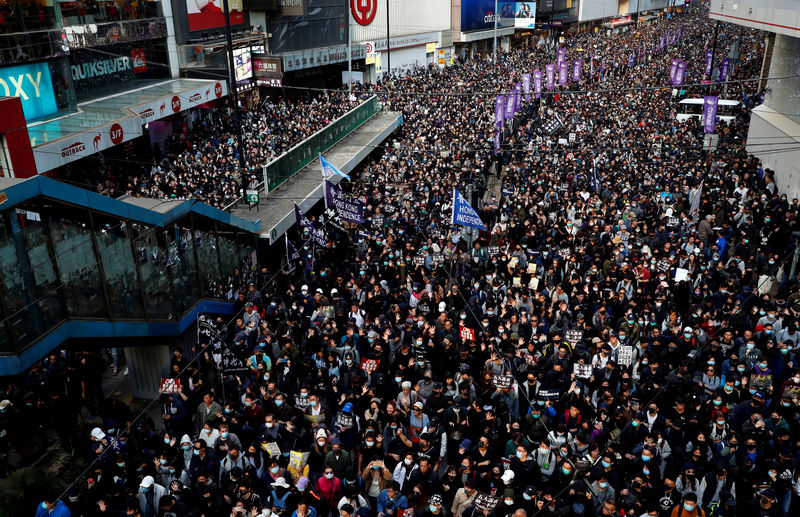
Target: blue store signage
[33,85]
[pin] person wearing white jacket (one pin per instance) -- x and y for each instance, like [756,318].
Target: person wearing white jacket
[149,496]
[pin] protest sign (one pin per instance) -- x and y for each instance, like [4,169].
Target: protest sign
[625,355]
[170,386]
[502,381]
[370,365]
[583,371]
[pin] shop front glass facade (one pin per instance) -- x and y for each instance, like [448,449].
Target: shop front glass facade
[61,262]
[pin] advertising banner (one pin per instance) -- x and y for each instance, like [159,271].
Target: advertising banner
[479,14]
[208,14]
[33,85]
[160,108]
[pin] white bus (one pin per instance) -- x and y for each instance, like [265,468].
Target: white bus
[688,108]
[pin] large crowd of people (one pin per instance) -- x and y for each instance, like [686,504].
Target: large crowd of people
[621,339]
[204,163]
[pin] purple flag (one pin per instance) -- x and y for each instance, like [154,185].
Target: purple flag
[724,68]
[550,69]
[537,83]
[510,105]
[562,55]
[563,73]
[517,90]
[680,73]
[673,71]
[709,57]
[497,142]
[500,111]
[630,61]
[709,113]
[577,68]
[526,86]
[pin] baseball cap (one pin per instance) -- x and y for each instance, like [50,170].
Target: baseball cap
[147,482]
[348,407]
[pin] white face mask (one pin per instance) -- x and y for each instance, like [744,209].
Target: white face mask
[407,462]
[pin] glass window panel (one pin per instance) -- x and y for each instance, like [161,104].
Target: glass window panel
[184,268]
[205,243]
[229,256]
[82,289]
[29,281]
[122,280]
[153,258]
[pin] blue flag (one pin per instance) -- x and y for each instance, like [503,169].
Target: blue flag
[329,170]
[464,214]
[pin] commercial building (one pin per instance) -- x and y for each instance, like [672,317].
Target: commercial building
[91,76]
[774,134]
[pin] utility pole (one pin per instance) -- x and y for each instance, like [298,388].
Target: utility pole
[714,50]
[494,46]
[232,88]
[388,58]
[349,54]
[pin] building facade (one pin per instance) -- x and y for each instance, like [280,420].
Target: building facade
[774,125]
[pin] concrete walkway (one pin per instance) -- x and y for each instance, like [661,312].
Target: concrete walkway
[276,211]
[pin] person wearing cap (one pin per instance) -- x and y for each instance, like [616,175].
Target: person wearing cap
[417,421]
[150,494]
[338,460]
[435,507]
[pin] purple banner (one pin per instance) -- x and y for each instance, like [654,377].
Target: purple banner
[709,57]
[526,86]
[500,111]
[680,73]
[709,113]
[497,142]
[510,105]
[630,61]
[517,91]
[661,43]
[577,68]
[562,55]
[550,69]
[563,73]
[724,68]
[537,83]
[673,71]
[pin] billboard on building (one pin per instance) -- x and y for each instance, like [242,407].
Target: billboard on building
[479,15]
[242,64]
[33,85]
[208,14]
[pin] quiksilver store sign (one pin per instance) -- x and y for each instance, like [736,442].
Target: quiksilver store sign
[100,67]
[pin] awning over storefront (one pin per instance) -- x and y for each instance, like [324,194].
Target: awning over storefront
[103,123]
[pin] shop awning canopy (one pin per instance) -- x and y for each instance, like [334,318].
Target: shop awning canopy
[103,123]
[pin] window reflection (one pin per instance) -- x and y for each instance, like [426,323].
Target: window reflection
[119,268]
[153,258]
[82,288]
[29,280]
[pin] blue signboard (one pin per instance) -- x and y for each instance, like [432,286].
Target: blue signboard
[479,14]
[33,85]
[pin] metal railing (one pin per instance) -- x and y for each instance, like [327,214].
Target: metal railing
[276,172]
[295,159]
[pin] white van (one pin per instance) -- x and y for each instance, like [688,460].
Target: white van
[689,108]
